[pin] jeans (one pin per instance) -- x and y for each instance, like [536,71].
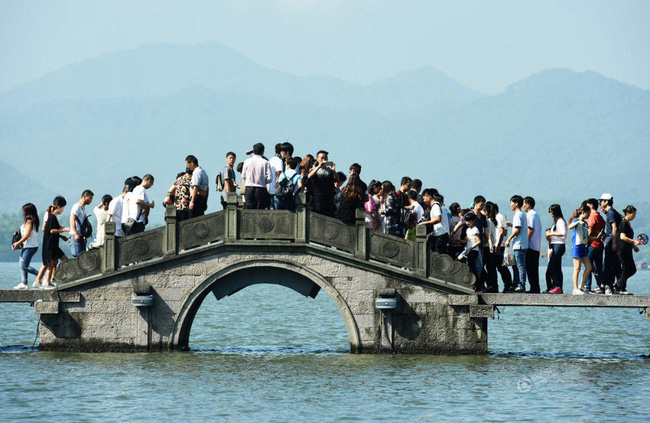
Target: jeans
[25,259]
[555,264]
[596,259]
[520,269]
[283,204]
[77,247]
[532,269]
[472,258]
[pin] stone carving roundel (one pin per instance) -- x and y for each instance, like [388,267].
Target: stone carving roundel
[140,247]
[330,232]
[442,263]
[265,224]
[390,249]
[65,271]
[88,261]
[201,230]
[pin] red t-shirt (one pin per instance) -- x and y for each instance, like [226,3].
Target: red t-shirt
[596,225]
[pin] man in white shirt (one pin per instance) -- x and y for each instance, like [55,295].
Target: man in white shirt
[256,174]
[438,239]
[519,239]
[115,212]
[199,187]
[534,244]
[77,218]
[139,205]
[277,167]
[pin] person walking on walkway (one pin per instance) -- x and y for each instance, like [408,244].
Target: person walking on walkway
[256,174]
[626,244]
[519,239]
[28,243]
[52,231]
[199,187]
[78,217]
[556,236]
[579,240]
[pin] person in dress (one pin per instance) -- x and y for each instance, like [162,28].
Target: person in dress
[28,243]
[579,240]
[625,246]
[52,231]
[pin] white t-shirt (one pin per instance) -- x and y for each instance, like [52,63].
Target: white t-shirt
[115,210]
[494,235]
[276,166]
[79,211]
[139,193]
[418,210]
[472,237]
[520,242]
[442,227]
[561,228]
[501,223]
[534,223]
[101,216]
[32,241]
[126,206]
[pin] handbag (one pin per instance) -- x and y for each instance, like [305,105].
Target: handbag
[16,238]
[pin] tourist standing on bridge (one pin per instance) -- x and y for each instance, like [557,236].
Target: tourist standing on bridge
[78,217]
[502,235]
[556,237]
[625,245]
[139,205]
[52,231]
[612,265]
[322,178]
[595,248]
[352,198]
[295,180]
[390,209]
[534,244]
[373,219]
[473,248]
[436,220]
[228,178]
[277,167]
[199,187]
[178,195]
[101,214]
[115,208]
[28,243]
[403,201]
[256,174]
[579,241]
[519,240]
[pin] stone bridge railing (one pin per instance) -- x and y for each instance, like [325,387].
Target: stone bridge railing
[236,226]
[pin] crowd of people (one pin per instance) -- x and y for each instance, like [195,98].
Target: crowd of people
[601,247]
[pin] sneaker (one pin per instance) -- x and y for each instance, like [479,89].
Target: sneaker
[556,290]
[624,292]
[585,290]
[598,291]
[21,286]
[48,287]
[36,284]
[578,292]
[608,291]
[519,289]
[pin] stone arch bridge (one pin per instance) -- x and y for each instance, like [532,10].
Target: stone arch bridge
[143,291]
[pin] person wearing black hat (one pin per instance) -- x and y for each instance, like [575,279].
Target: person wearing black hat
[256,174]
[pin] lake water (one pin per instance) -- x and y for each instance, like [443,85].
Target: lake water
[269,354]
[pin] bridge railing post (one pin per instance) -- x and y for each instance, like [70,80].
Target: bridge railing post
[421,258]
[302,222]
[109,250]
[170,242]
[361,235]
[232,218]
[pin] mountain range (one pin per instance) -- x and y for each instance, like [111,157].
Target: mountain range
[558,135]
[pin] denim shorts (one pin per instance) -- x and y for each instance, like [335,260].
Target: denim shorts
[579,251]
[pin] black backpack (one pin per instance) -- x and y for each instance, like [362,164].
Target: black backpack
[285,189]
[85,228]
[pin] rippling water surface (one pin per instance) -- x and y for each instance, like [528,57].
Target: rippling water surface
[269,354]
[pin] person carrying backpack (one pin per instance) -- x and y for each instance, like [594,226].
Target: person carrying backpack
[289,182]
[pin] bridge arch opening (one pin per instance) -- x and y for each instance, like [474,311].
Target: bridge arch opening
[237,277]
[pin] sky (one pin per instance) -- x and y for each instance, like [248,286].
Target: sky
[484,45]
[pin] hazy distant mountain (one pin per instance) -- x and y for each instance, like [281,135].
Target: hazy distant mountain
[163,69]
[558,135]
[18,188]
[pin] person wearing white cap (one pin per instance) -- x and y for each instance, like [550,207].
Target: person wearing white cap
[612,265]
